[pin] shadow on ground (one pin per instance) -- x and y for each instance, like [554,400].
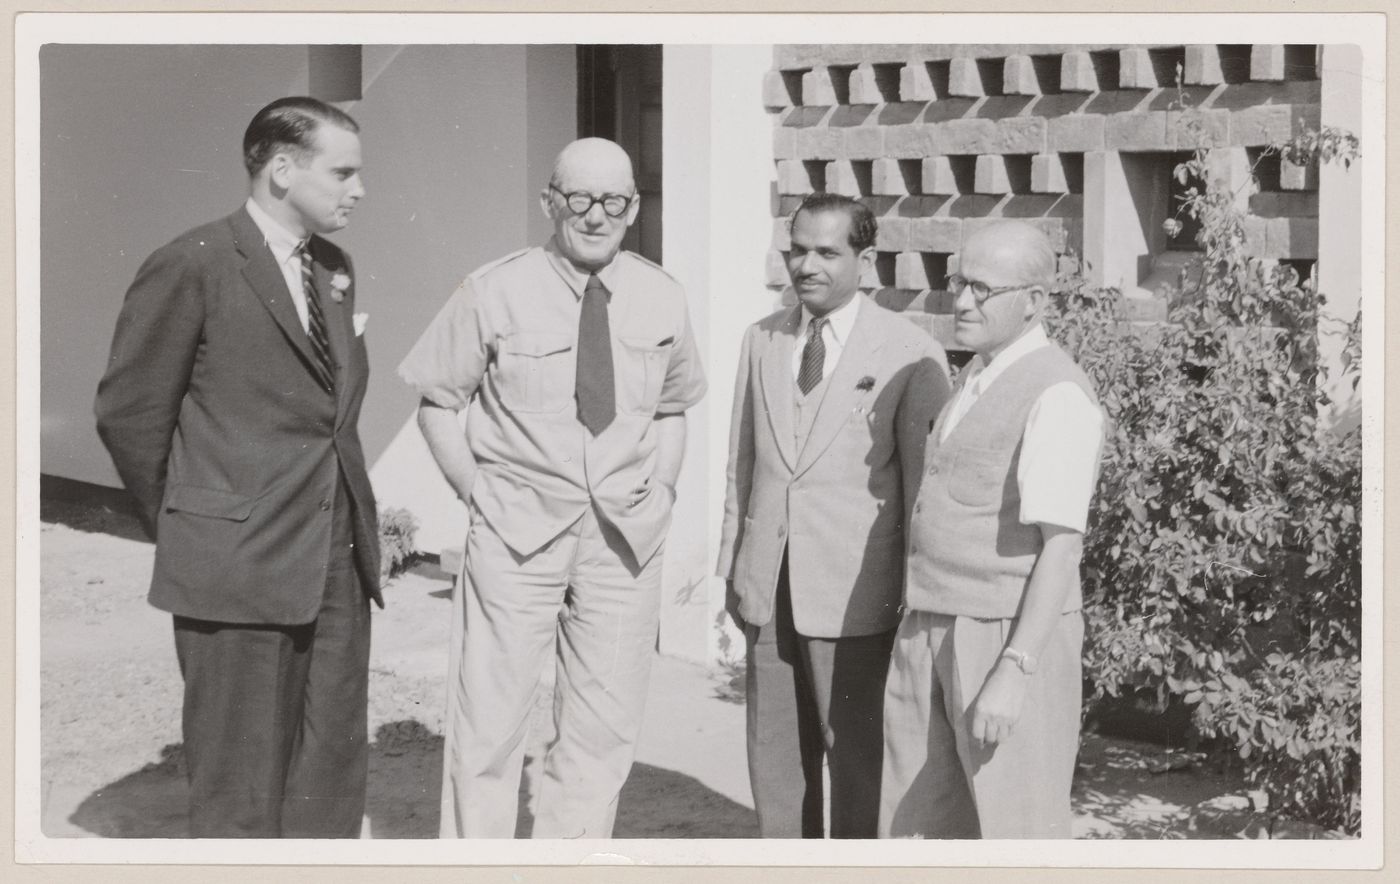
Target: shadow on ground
[1124,790]
[405,771]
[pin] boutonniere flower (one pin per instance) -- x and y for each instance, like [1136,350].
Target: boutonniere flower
[360,320]
[339,283]
[865,383]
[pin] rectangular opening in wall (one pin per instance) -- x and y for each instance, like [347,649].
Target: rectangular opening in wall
[841,81]
[1304,267]
[884,269]
[993,74]
[964,173]
[816,174]
[1267,166]
[1106,65]
[1184,239]
[1168,64]
[936,270]
[1073,165]
[863,171]
[1234,62]
[912,173]
[887,81]
[1018,173]
[792,82]
[1047,73]
[940,73]
[1300,62]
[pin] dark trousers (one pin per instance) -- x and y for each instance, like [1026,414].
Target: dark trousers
[275,718]
[808,697]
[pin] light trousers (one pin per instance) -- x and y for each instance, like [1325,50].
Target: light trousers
[585,587]
[938,781]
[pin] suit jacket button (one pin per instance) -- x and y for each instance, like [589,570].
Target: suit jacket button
[325,506]
[932,470]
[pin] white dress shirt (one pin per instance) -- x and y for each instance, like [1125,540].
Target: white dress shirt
[834,335]
[283,244]
[1060,446]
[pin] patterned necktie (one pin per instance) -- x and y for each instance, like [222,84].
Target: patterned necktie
[813,357]
[316,322]
[594,375]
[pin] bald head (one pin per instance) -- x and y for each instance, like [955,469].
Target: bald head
[592,157]
[1022,252]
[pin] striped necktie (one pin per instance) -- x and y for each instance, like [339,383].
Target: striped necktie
[316,323]
[813,357]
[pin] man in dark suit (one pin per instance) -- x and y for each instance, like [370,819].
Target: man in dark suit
[229,407]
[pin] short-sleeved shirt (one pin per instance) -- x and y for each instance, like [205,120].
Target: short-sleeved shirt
[1060,448]
[504,349]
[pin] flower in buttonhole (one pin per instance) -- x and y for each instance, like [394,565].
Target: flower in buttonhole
[339,283]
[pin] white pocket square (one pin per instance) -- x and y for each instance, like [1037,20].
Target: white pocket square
[360,320]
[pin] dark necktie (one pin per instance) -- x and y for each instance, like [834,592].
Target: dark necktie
[813,357]
[593,383]
[316,323]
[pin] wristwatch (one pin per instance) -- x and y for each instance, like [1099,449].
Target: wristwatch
[1025,662]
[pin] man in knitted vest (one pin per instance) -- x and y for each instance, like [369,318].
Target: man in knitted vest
[983,696]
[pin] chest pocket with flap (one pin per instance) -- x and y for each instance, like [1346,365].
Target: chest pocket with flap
[534,371]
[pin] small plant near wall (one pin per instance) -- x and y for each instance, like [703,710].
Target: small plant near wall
[397,528]
[1223,557]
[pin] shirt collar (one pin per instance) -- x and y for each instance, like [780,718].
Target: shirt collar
[840,321]
[576,279]
[281,240]
[1031,340]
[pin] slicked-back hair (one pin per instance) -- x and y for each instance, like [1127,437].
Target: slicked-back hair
[863,224]
[290,124]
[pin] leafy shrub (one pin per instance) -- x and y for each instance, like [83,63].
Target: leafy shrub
[397,528]
[1222,559]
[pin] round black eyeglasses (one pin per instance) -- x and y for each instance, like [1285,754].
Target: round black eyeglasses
[580,202]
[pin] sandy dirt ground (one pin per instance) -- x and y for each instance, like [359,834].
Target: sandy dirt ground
[110,723]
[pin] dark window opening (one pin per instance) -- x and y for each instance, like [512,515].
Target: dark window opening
[841,82]
[1234,62]
[884,269]
[1047,73]
[1106,65]
[992,71]
[1187,227]
[1267,166]
[1300,62]
[1073,165]
[887,81]
[1168,64]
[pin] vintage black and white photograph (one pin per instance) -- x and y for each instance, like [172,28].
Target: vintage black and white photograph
[516,439]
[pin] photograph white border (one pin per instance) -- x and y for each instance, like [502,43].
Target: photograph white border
[32,30]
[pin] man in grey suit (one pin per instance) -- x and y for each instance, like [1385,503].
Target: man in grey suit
[832,406]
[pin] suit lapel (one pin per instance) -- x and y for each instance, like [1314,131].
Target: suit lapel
[779,387]
[266,280]
[842,394]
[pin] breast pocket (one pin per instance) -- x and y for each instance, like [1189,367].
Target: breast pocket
[535,371]
[641,369]
[976,476]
